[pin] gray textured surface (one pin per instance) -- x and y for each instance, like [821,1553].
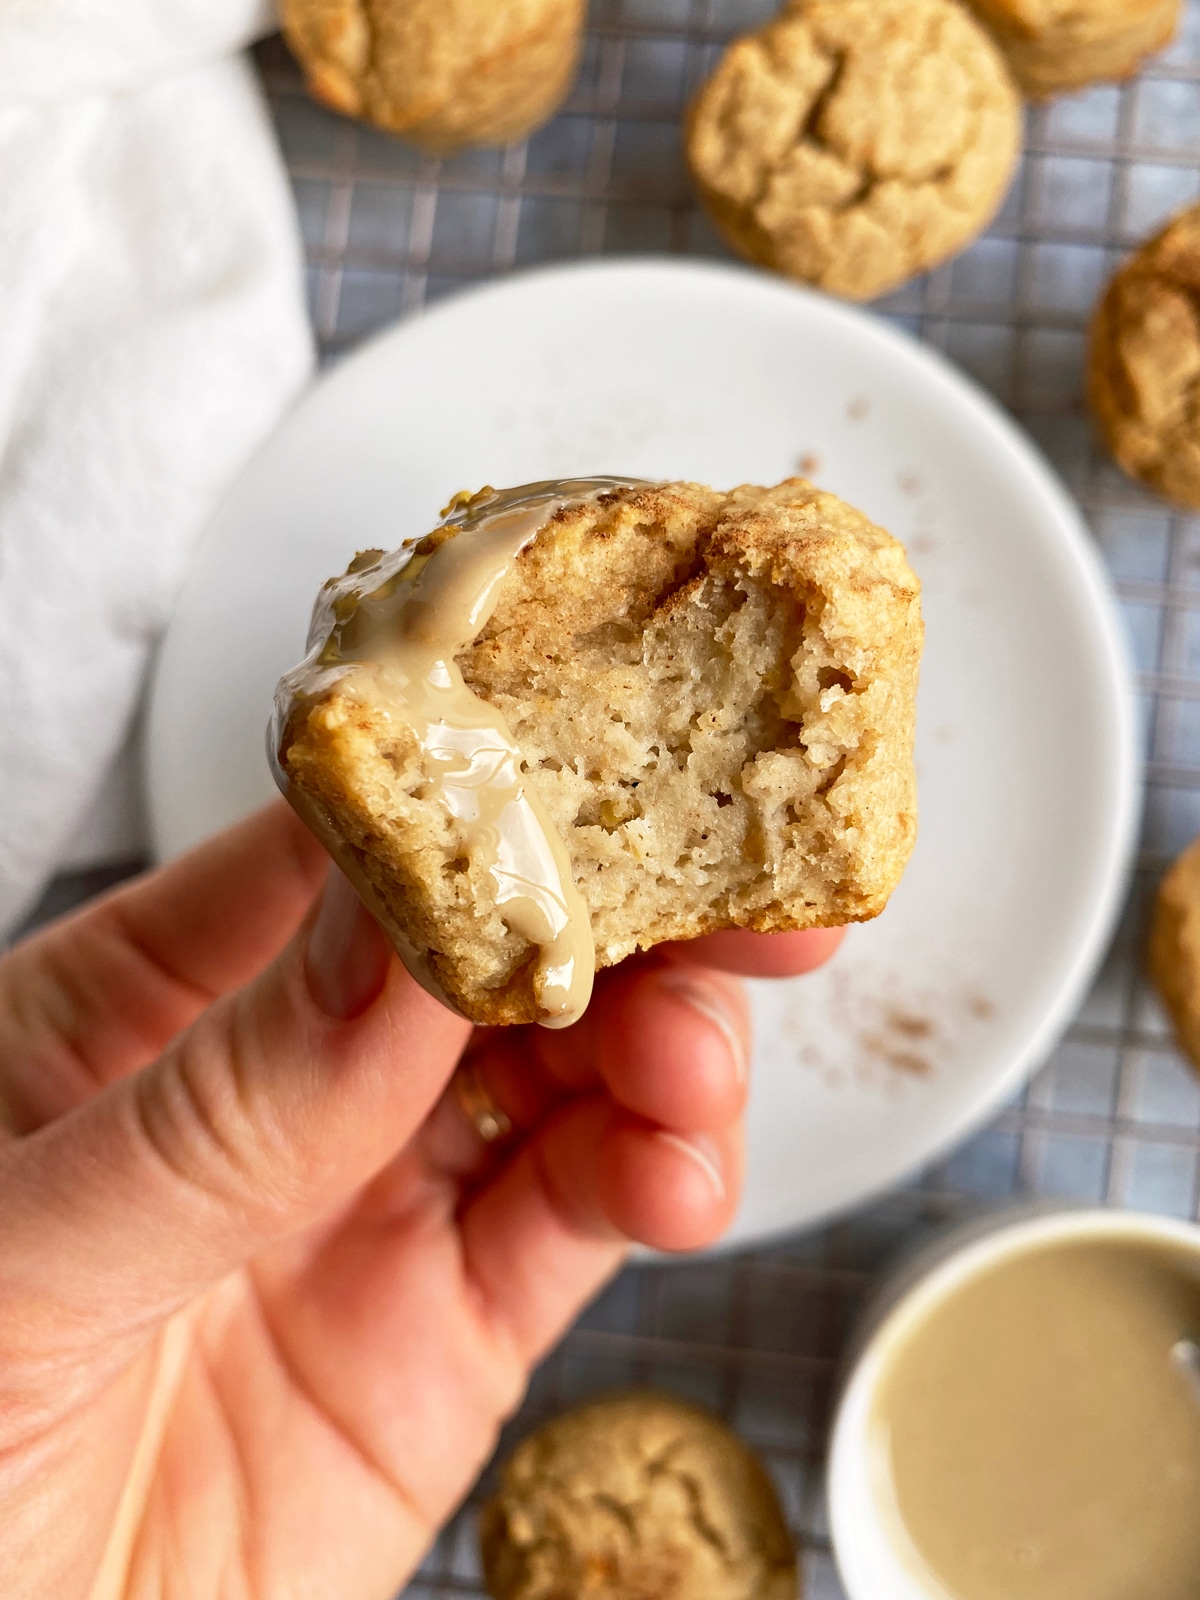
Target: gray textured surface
[1115,1115]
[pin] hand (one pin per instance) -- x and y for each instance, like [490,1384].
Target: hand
[265,1293]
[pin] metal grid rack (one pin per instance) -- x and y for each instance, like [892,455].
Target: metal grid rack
[1115,1115]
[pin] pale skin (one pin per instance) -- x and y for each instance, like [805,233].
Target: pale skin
[265,1295]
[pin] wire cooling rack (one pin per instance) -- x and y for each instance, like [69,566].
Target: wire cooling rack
[1114,1117]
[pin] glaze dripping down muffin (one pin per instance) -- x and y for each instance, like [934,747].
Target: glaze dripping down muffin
[705,701]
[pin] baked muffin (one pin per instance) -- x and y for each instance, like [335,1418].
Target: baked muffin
[583,718]
[854,143]
[1144,362]
[1175,948]
[444,73]
[636,1497]
[1057,45]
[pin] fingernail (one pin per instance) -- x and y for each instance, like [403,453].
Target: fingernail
[705,999]
[348,956]
[698,1147]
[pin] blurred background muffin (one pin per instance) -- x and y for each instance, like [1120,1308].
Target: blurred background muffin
[1145,363]
[1055,45]
[444,73]
[855,143]
[636,1496]
[1174,953]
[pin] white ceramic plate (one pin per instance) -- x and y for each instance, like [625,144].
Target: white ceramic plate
[930,1016]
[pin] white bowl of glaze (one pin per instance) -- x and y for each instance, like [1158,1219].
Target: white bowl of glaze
[874,1556]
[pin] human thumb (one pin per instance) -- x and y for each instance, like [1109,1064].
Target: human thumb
[276,1105]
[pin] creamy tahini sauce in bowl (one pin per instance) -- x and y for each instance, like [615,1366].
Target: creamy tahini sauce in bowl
[1024,1423]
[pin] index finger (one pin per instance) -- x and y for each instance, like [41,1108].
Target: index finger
[759,955]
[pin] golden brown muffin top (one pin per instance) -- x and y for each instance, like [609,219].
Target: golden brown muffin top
[636,1497]
[854,136]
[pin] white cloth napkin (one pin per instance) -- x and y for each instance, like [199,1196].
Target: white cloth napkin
[152,330]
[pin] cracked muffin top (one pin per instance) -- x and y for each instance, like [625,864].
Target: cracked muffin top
[636,1497]
[1144,370]
[854,143]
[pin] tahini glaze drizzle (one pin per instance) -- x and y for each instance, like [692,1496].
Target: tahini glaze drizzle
[405,619]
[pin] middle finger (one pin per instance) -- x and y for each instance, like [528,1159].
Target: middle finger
[669,1044]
